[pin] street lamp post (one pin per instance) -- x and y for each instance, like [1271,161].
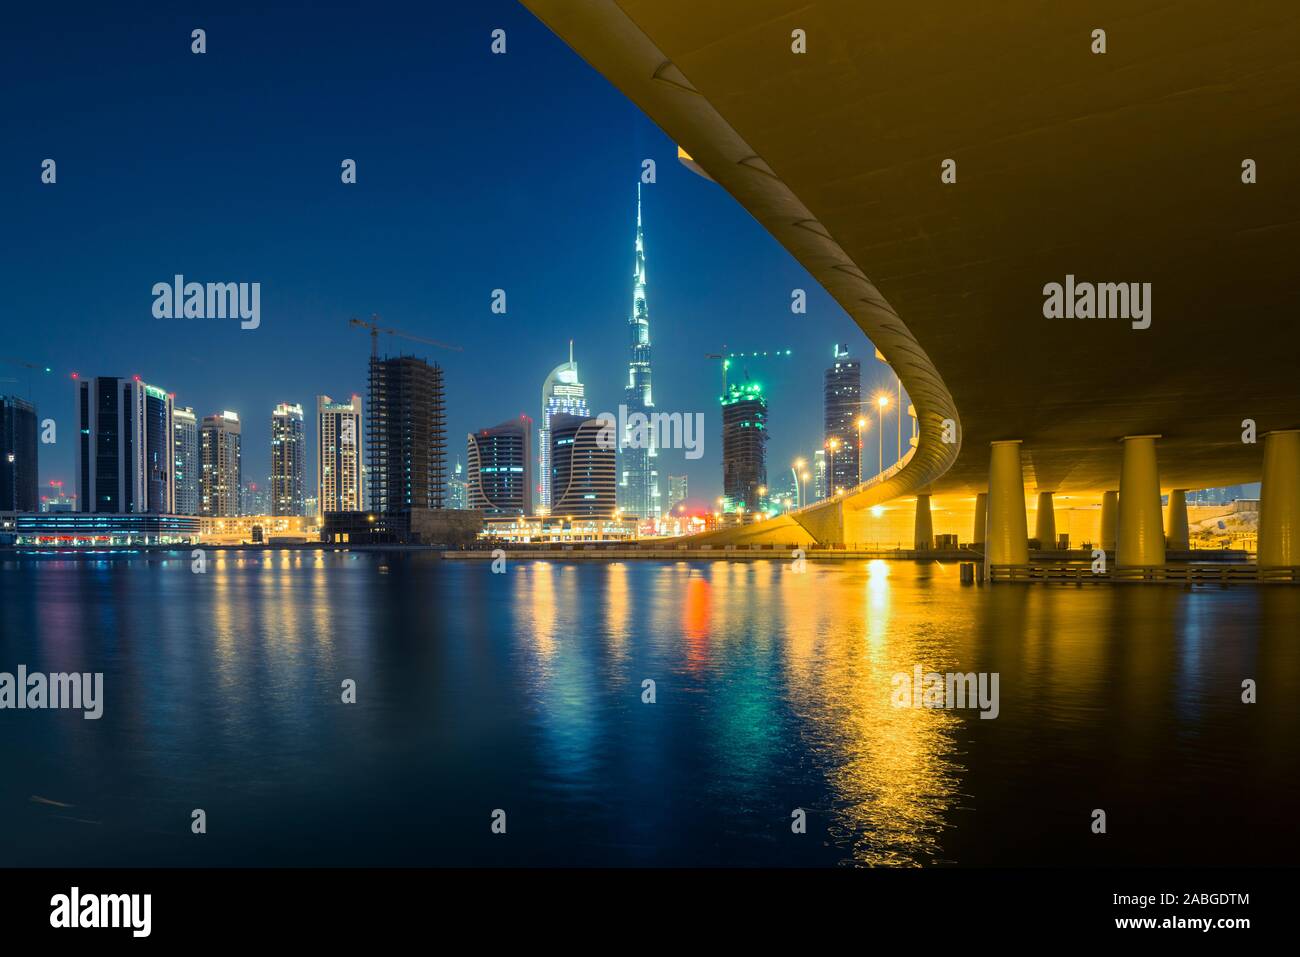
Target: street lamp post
[862,423]
[882,401]
[832,445]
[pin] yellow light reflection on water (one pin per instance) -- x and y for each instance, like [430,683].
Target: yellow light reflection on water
[892,780]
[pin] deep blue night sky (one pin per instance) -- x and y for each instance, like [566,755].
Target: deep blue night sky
[475,172]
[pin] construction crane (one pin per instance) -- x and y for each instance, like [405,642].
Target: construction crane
[375,329]
[29,366]
[725,358]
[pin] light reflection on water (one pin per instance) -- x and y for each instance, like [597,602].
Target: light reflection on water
[525,691]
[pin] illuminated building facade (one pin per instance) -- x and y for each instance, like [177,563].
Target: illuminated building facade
[159,451]
[638,486]
[57,501]
[18,446]
[221,476]
[842,397]
[562,394]
[125,446]
[288,452]
[186,467]
[744,446]
[81,529]
[339,455]
[583,467]
[457,490]
[499,473]
[677,491]
[557,529]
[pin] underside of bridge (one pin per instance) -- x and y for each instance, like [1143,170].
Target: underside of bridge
[1133,165]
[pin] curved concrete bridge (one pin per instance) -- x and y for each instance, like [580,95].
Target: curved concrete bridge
[977,187]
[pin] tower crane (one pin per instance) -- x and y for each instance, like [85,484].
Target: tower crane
[725,358]
[29,366]
[375,329]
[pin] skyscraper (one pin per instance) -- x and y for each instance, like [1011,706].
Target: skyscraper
[17,455]
[677,491]
[255,498]
[406,435]
[125,446]
[639,473]
[457,489]
[221,480]
[338,455]
[562,394]
[185,428]
[288,452]
[843,404]
[159,451]
[583,467]
[744,446]
[499,473]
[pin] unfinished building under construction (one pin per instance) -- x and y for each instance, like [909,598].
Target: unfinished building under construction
[406,435]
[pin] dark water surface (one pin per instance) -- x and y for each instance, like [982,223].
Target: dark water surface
[522,691]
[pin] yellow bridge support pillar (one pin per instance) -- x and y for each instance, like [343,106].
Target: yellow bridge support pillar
[924,537]
[1279,501]
[1141,525]
[1045,522]
[1008,526]
[1177,535]
[1109,520]
[981,516]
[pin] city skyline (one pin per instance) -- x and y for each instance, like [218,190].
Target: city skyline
[387,244]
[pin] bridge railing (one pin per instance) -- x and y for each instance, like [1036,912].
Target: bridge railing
[878,479]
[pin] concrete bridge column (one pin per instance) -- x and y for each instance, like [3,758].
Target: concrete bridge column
[981,516]
[1008,526]
[924,537]
[1279,501]
[1141,523]
[1109,520]
[1177,534]
[1045,522]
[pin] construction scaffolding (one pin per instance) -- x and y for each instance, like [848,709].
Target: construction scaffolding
[406,435]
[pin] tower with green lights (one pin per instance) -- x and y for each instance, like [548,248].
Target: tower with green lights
[744,447]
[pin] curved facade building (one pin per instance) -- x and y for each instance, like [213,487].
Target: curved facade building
[499,470]
[583,467]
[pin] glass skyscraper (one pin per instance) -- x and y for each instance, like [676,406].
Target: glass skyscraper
[288,450]
[677,491]
[843,405]
[583,468]
[17,455]
[457,490]
[499,475]
[562,394]
[221,480]
[125,452]
[638,486]
[338,455]
[185,428]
